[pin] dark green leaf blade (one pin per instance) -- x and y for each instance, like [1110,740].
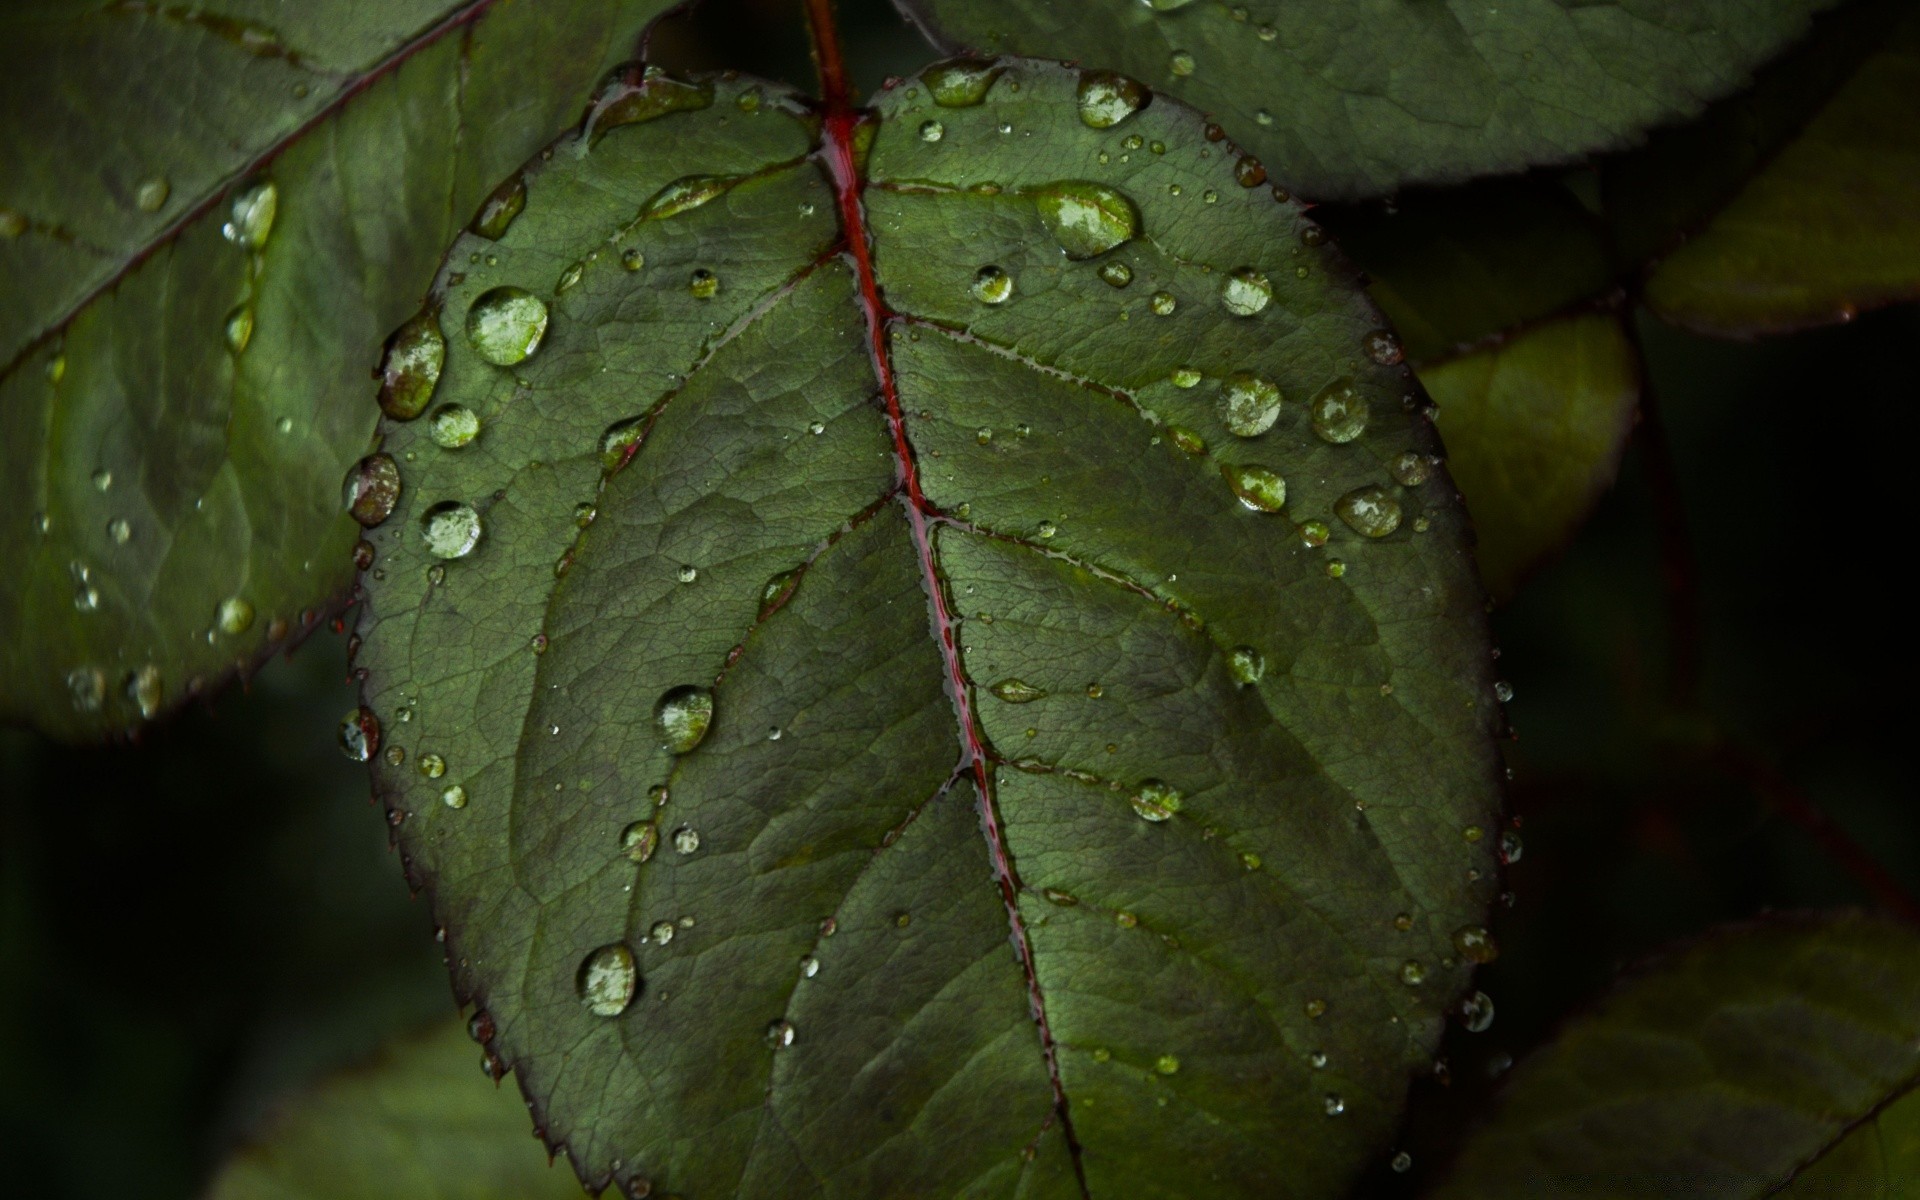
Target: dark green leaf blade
[1346,99]
[419,1123]
[177,403]
[1775,1059]
[676,740]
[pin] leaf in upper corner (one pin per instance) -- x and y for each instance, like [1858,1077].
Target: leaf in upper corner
[1776,1059]
[1796,204]
[419,1123]
[681,741]
[207,223]
[1344,99]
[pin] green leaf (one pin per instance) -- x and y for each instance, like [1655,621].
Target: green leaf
[1777,1059]
[1826,226]
[761,856]
[419,1123]
[177,401]
[1344,99]
[1535,427]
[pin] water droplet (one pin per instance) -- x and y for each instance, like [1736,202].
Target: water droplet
[1251,404]
[1383,347]
[1250,860]
[1106,98]
[1339,413]
[687,574]
[372,489]
[1016,691]
[152,194]
[991,285]
[1056,896]
[683,716]
[960,82]
[1475,944]
[1185,377]
[617,443]
[88,687]
[639,840]
[102,480]
[506,325]
[1166,1064]
[1162,304]
[1246,292]
[780,1034]
[410,366]
[119,531]
[932,131]
[703,284]
[1476,1011]
[569,277]
[1166,5]
[1249,172]
[498,210]
[607,980]
[1510,847]
[359,734]
[250,220]
[1046,530]
[432,766]
[1413,973]
[1334,1105]
[1087,219]
[454,796]
[809,967]
[450,529]
[1180,63]
[239,328]
[1410,469]
[1402,1163]
[1369,511]
[1246,665]
[453,426]
[684,194]
[1258,488]
[1116,274]
[1155,801]
[1319,1060]
[235,616]
[143,688]
[1502,691]
[1472,834]
[776,591]
[662,932]
[623,101]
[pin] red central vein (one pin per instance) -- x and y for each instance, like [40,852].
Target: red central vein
[842,122]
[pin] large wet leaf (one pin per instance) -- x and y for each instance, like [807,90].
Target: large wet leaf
[840,766]
[206,220]
[1349,98]
[1774,1060]
[419,1123]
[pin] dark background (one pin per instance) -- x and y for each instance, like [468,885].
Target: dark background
[192,925]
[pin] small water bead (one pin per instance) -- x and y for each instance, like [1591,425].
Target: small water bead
[1016,691]
[235,616]
[1162,304]
[780,1034]
[1107,98]
[1318,1059]
[776,590]
[617,442]
[498,210]
[152,194]
[1181,63]
[450,529]
[144,690]
[1403,922]
[703,284]
[1503,691]
[684,195]
[1410,469]
[1167,1064]
[1370,511]
[453,426]
[1476,1011]
[371,490]
[683,716]
[410,366]
[1263,117]
[1186,439]
[1185,377]
[88,687]
[1314,534]
[1246,292]
[506,325]
[1383,347]
[1338,412]
[1250,861]
[1335,568]
[991,285]
[1251,404]
[687,574]
[1246,665]
[1087,219]
[1402,1163]
[1413,973]
[607,980]
[960,82]
[1116,274]
[1046,530]
[662,932]
[1510,847]
[932,131]
[639,840]
[119,531]
[1258,488]
[102,480]
[1156,801]
[359,734]
[454,796]
[1475,944]
[1249,172]
[569,277]
[1334,1105]
[492,1066]
[432,766]
[239,329]
[250,220]
[809,966]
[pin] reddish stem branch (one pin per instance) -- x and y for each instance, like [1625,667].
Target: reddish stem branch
[827,60]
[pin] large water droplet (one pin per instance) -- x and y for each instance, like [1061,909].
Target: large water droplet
[498,210]
[450,529]
[1338,412]
[1251,404]
[410,367]
[1106,98]
[1246,292]
[1258,488]
[683,716]
[236,616]
[251,218]
[360,734]
[607,980]
[1156,801]
[623,100]
[1370,511]
[371,490]
[639,840]
[991,285]
[961,82]
[1087,219]
[506,325]
[685,194]
[1476,1011]
[1016,691]
[453,426]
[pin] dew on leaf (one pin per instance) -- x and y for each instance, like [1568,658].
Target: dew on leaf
[1166,1064]
[932,131]
[662,932]
[623,102]
[619,439]
[250,220]
[1106,98]
[1246,292]
[371,490]
[1116,274]
[780,1034]
[687,573]
[1333,1105]
[239,328]
[119,531]
[960,82]
[152,194]
[506,325]
[684,195]
[1251,404]
[1401,1163]
[88,687]
[235,616]
[703,284]
[1155,801]
[1475,944]
[683,716]
[1246,665]
[1162,304]
[1413,972]
[450,529]
[143,688]
[1502,691]
[359,735]
[639,840]
[1510,847]
[1369,511]
[1410,469]
[1016,691]
[432,766]
[1476,1011]
[632,258]
[991,285]
[454,796]
[498,210]
[410,367]
[607,980]
[453,426]
[1181,63]
[1383,347]
[1258,488]
[1338,412]
[1185,377]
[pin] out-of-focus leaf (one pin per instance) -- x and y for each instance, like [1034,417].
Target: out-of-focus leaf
[420,1123]
[1778,1059]
[947,765]
[1534,428]
[206,221]
[1350,98]
[1829,222]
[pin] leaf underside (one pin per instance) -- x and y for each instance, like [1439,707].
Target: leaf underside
[1351,98]
[176,404]
[1058,809]
[1775,1060]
